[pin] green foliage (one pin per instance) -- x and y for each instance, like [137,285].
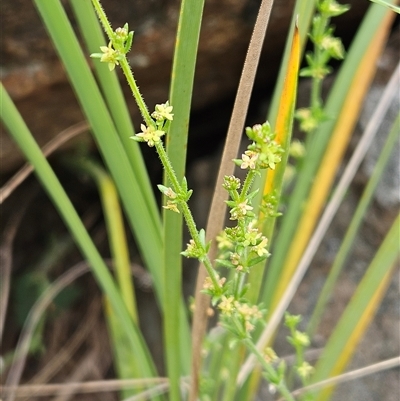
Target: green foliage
[245,298]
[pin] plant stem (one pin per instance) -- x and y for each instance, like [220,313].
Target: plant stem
[281,387]
[187,214]
[135,91]
[103,19]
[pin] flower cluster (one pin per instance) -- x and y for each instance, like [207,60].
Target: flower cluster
[118,47]
[300,342]
[326,47]
[264,152]
[243,246]
[152,133]
[239,317]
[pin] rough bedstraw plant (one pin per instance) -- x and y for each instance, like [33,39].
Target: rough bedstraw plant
[248,246]
[249,305]
[243,246]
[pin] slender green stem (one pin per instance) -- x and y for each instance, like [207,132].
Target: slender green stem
[248,182]
[169,170]
[135,91]
[103,19]
[281,387]
[187,214]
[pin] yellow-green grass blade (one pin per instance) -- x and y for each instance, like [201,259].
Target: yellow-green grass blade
[115,230]
[283,130]
[370,25]
[123,353]
[359,312]
[176,331]
[354,226]
[21,134]
[333,156]
[302,15]
[146,232]
[94,38]
[385,3]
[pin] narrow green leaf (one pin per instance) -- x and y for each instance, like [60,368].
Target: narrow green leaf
[136,207]
[21,134]
[177,340]
[359,312]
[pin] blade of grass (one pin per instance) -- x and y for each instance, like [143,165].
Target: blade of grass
[385,3]
[177,341]
[302,16]
[123,356]
[354,226]
[360,311]
[20,132]
[283,129]
[106,136]
[371,22]
[332,158]
[217,212]
[115,230]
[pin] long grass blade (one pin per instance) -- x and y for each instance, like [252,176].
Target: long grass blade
[106,136]
[21,134]
[360,311]
[370,25]
[176,333]
[354,226]
[330,163]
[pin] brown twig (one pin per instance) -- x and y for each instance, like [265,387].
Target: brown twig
[6,259]
[32,320]
[64,136]
[353,375]
[97,386]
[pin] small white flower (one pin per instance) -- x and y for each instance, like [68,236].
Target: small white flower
[163,112]
[150,134]
[249,159]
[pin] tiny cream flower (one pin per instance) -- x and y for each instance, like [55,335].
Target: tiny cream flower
[163,112]
[301,338]
[333,46]
[150,134]
[249,159]
[170,193]
[226,305]
[109,56]
[244,207]
[248,326]
[209,285]
[305,370]
[260,249]
[171,206]
[270,355]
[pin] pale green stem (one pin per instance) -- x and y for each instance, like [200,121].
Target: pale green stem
[247,183]
[124,65]
[136,93]
[103,19]
[281,387]
[187,214]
